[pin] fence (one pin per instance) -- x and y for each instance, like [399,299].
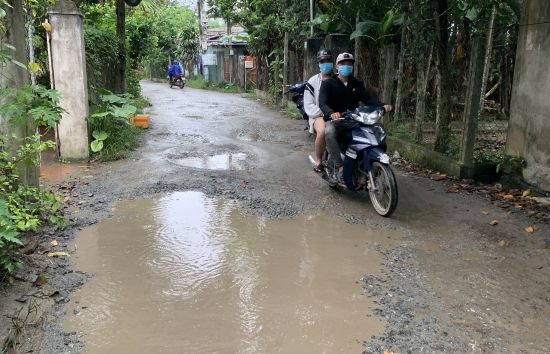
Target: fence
[410,76]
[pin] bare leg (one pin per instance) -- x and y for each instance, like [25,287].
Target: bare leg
[320,144]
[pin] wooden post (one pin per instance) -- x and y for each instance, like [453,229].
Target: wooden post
[487,59]
[357,49]
[276,79]
[400,69]
[285,68]
[389,72]
[472,103]
[423,70]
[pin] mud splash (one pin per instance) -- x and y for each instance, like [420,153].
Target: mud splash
[187,274]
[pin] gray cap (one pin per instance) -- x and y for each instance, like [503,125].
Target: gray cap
[344,56]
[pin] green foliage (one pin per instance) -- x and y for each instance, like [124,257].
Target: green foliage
[102,51]
[453,150]
[22,208]
[512,170]
[486,155]
[403,131]
[154,41]
[114,136]
[31,102]
[208,85]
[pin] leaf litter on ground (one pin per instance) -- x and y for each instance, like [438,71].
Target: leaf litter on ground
[508,199]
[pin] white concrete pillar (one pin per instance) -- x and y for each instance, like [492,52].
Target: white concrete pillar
[69,71]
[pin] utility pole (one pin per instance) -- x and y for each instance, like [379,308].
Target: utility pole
[311,15]
[203,25]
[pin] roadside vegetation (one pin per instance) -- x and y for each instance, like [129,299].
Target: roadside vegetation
[157,32]
[201,83]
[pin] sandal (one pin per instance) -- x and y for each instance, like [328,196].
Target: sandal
[318,168]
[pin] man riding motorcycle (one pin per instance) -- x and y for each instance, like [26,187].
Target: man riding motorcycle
[174,72]
[342,93]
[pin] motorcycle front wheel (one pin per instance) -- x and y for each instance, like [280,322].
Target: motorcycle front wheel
[181,84]
[383,194]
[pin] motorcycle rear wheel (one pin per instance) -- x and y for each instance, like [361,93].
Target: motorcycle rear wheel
[384,198]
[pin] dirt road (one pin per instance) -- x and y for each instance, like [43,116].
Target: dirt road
[217,237]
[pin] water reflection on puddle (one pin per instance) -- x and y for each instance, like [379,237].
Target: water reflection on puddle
[187,274]
[218,162]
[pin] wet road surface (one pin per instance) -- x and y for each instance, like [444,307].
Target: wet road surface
[230,243]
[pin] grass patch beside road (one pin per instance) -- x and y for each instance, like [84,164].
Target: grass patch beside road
[207,85]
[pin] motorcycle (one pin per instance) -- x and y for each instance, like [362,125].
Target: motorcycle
[366,164]
[178,80]
[298,99]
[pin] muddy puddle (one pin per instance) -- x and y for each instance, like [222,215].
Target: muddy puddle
[184,273]
[250,137]
[230,162]
[53,170]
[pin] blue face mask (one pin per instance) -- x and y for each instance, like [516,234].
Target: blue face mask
[326,68]
[345,70]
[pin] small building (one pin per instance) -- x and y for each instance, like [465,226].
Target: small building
[224,60]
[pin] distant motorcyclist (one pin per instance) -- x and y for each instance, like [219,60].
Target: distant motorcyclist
[339,94]
[174,71]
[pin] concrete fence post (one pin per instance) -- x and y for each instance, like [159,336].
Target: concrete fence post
[472,104]
[69,68]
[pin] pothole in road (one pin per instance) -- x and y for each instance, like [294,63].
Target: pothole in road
[188,273]
[227,161]
[250,137]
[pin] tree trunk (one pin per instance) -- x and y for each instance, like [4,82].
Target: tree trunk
[423,70]
[13,76]
[487,61]
[399,94]
[120,70]
[443,129]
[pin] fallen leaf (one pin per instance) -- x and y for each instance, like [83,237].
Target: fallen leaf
[526,192]
[499,260]
[539,267]
[485,213]
[81,202]
[53,243]
[535,199]
[43,250]
[225,191]
[529,229]
[508,196]
[494,222]
[22,299]
[387,352]
[541,251]
[58,254]
[49,293]
[501,243]
[130,197]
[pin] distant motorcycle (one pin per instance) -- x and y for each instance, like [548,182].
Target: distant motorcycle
[178,80]
[298,99]
[366,164]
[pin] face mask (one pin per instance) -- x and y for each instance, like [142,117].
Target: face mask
[345,70]
[326,68]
